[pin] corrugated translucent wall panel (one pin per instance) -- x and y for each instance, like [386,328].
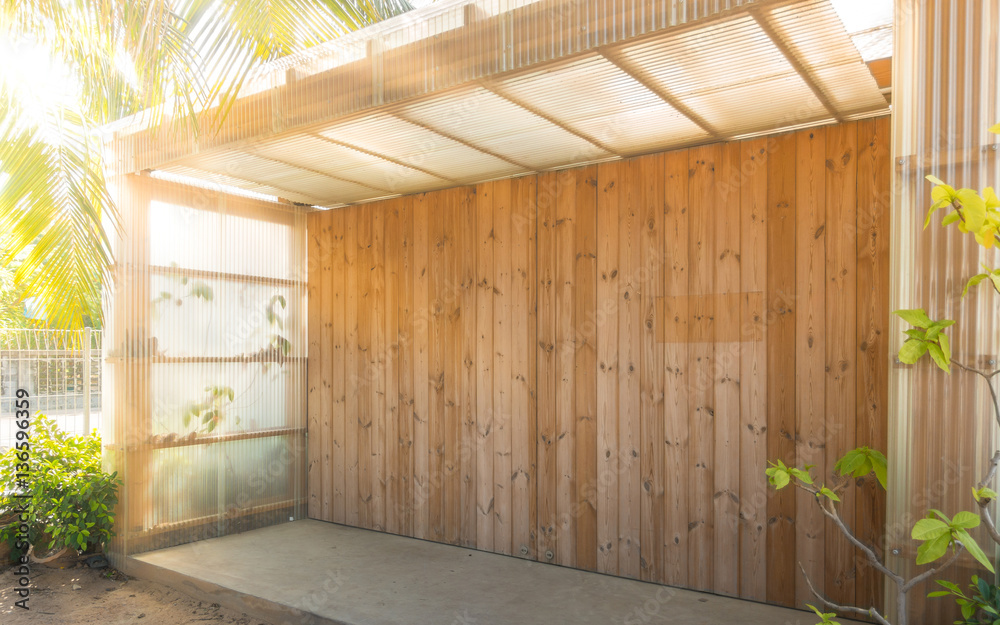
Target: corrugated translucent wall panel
[205,363]
[942,430]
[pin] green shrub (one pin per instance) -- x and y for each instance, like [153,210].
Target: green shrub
[70,499]
[981,606]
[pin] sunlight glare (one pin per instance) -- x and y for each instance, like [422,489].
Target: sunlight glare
[39,83]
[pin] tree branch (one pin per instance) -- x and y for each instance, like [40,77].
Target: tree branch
[991,471]
[991,526]
[984,510]
[926,574]
[834,515]
[872,612]
[988,377]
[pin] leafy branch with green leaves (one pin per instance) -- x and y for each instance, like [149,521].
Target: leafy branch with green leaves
[938,534]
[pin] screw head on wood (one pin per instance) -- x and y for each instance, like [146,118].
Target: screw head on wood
[524,550]
[549,555]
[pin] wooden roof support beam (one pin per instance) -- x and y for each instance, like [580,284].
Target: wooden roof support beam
[468,144]
[255,183]
[640,76]
[763,19]
[388,159]
[318,172]
[499,91]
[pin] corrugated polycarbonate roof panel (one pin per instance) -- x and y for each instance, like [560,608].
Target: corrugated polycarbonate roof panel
[267,170]
[419,148]
[699,69]
[471,92]
[315,152]
[230,181]
[595,97]
[816,36]
[483,118]
[702,59]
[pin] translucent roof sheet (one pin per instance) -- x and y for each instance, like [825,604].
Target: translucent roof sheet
[464,91]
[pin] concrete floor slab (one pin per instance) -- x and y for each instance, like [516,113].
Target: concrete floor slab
[311,572]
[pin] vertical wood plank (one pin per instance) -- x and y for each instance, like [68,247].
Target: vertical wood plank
[392,257]
[873,187]
[502,377]
[841,337]
[703,249]
[407,367]
[753,369]
[421,373]
[629,362]
[564,437]
[810,348]
[608,178]
[337,319]
[378,359]
[726,373]
[523,366]
[677,369]
[364,374]
[438,277]
[316,388]
[326,370]
[780,306]
[451,304]
[585,374]
[651,434]
[549,352]
[351,506]
[468,455]
[484,365]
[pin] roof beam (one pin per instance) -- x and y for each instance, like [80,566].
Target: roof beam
[257,183]
[641,77]
[499,91]
[763,19]
[318,172]
[388,159]
[468,144]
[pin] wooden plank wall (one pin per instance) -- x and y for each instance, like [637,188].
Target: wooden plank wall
[591,367]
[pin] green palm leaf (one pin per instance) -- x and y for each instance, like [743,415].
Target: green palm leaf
[183,60]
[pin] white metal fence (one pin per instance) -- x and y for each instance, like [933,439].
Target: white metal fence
[60,369]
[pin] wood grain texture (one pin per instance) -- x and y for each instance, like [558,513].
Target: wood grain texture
[593,366]
[726,374]
[651,368]
[677,370]
[752,179]
[781,307]
[810,348]
[316,392]
[608,457]
[841,337]
[703,252]
[585,374]
[630,276]
[484,366]
[872,333]
[338,328]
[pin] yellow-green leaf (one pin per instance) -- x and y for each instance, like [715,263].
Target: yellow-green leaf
[973,209]
[912,351]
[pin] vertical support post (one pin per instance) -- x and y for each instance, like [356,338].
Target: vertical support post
[86,380]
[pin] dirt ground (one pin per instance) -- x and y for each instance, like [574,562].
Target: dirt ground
[79,596]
